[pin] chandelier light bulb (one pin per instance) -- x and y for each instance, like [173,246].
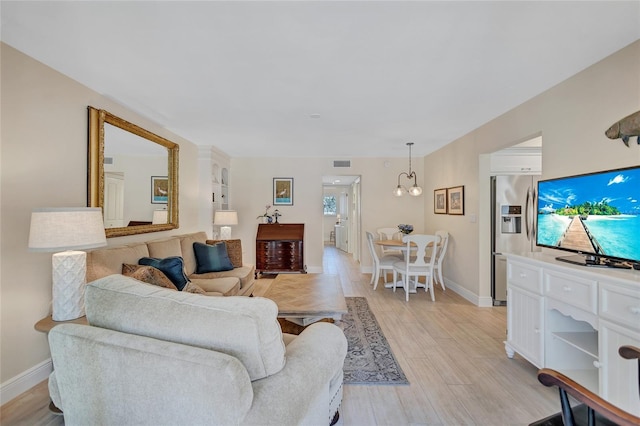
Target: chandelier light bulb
[398,191]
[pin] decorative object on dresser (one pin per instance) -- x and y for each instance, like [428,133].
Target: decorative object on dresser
[71,229]
[224,218]
[280,248]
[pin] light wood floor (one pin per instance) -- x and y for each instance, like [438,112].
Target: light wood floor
[450,350]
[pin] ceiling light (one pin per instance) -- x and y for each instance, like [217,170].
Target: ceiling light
[415,190]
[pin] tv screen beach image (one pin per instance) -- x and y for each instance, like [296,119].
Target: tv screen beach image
[597,213]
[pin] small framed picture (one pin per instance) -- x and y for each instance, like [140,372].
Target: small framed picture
[159,189]
[455,200]
[440,201]
[282,191]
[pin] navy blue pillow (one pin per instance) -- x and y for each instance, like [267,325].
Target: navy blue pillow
[212,258]
[173,268]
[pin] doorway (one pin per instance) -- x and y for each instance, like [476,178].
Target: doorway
[341,206]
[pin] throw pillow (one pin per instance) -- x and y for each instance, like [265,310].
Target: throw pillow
[234,249]
[173,268]
[211,258]
[193,288]
[148,274]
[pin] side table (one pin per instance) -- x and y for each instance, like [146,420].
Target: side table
[45,325]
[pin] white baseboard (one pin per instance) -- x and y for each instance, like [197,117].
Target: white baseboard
[25,381]
[482,302]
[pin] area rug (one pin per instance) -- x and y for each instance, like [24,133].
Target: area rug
[369,358]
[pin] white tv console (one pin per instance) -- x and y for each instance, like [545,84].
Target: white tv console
[573,319]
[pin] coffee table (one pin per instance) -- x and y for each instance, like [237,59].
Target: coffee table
[307,298]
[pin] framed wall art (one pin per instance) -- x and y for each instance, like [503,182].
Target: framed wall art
[159,189]
[282,191]
[455,200]
[440,201]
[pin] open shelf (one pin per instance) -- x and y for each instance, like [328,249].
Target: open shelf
[585,341]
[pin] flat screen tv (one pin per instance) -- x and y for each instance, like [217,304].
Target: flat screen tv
[595,215]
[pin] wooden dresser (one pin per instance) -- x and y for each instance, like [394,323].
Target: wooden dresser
[280,248]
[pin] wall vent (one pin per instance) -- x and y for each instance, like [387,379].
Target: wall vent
[342,163]
[108,160]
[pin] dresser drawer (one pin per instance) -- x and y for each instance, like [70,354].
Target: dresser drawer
[524,276]
[620,304]
[574,291]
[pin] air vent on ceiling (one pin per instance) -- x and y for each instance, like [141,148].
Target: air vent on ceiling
[342,163]
[108,160]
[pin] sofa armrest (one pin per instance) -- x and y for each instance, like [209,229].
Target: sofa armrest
[299,393]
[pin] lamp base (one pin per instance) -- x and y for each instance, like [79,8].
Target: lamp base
[69,274]
[225,232]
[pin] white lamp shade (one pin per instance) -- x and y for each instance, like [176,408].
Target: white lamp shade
[67,228]
[159,217]
[225,217]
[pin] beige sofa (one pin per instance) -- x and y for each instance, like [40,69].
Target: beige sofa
[153,356]
[237,282]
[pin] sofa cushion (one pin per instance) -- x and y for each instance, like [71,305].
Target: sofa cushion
[211,258]
[234,249]
[227,286]
[168,247]
[244,327]
[244,273]
[148,274]
[173,268]
[109,260]
[186,245]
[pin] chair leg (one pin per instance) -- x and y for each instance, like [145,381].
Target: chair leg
[406,281]
[376,278]
[440,277]
[395,280]
[429,284]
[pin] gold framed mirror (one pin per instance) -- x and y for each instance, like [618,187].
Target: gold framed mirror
[132,176]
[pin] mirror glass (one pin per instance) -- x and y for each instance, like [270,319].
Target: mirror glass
[133,176]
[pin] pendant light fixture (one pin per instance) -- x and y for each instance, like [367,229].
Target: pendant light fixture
[415,190]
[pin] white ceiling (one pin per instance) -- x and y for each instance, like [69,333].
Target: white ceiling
[248,77]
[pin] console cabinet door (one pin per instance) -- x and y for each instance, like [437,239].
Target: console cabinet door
[525,326]
[618,376]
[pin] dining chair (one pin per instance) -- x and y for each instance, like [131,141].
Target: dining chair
[417,266]
[441,251]
[381,264]
[389,234]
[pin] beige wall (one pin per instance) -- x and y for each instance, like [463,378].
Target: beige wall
[251,190]
[571,117]
[43,164]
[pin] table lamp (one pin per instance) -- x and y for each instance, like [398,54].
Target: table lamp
[224,218]
[70,229]
[159,217]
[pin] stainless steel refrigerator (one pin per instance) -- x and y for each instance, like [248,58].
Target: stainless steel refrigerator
[513,226]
